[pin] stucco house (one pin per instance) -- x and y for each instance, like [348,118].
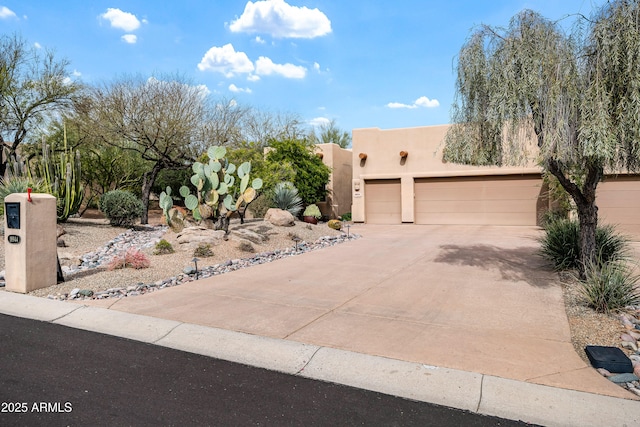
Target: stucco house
[399,177]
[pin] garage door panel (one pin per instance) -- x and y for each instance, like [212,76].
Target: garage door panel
[382,201]
[470,206]
[497,200]
[621,199]
[618,201]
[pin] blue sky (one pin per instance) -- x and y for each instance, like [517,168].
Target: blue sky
[362,63]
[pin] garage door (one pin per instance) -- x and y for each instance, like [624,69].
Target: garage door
[382,201]
[490,200]
[618,201]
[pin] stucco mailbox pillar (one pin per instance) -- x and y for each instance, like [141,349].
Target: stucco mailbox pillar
[30,242]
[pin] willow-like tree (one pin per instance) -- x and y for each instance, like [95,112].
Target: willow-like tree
[575,95]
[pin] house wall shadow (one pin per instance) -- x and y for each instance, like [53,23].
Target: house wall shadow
[516,264]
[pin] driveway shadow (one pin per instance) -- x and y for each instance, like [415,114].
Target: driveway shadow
[517,264]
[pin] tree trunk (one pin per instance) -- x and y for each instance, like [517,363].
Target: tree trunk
[588,219]
[223,223]
[585,199]
[147,182]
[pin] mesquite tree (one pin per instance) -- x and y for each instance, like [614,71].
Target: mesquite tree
[576,95]
[159,119]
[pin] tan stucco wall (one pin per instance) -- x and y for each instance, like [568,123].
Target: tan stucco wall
[339,187]
[424,147]
[31,263]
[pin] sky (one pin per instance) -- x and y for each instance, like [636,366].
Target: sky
[362,63]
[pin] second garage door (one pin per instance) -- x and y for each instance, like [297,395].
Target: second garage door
[482,200]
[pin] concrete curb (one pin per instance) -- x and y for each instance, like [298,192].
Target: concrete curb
[470,391]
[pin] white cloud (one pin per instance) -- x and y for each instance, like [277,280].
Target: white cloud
[260,40]
[281,20]
[122,20]
[423,101]
[226,60]
[130,38]
[37,45]
[319,121]
[76,73]
[266,67]
[316,66]
[6,13]
[253,78]
[236,89]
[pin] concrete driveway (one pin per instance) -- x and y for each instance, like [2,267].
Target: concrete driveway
[473,298]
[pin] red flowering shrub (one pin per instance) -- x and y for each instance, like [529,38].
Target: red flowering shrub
[133,258]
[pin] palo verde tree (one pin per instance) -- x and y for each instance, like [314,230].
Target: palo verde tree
[33,86]
[159,119]
[576,96]
[330,133]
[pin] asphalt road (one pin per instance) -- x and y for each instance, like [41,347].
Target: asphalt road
[51,375]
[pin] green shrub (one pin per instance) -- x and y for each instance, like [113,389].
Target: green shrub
[246,247]
[312,210]
[260,205]
[121,208]
[285,196]
[346,216]
[610,286]
[203,251]
[163,247]
[561,244]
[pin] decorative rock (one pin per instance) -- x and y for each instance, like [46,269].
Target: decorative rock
[279,217]
[59,230]
[142,239]
[197,235]
[627,337]
[74,292]
[636,370]
[629,345]
[623,378]
[635,335]
[249,235]
[61,243]
[604,372]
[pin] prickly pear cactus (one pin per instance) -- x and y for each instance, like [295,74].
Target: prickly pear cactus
[336,224]
[220,187]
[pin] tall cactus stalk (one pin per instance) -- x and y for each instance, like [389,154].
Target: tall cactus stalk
[62,178]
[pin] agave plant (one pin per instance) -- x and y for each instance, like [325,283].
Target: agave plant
[285,197]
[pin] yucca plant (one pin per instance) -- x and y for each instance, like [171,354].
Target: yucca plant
[561,246]
[285,197]
[610,286]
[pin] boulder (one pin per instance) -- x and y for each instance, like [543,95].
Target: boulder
[280,217]
[252,236]
[193,236]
